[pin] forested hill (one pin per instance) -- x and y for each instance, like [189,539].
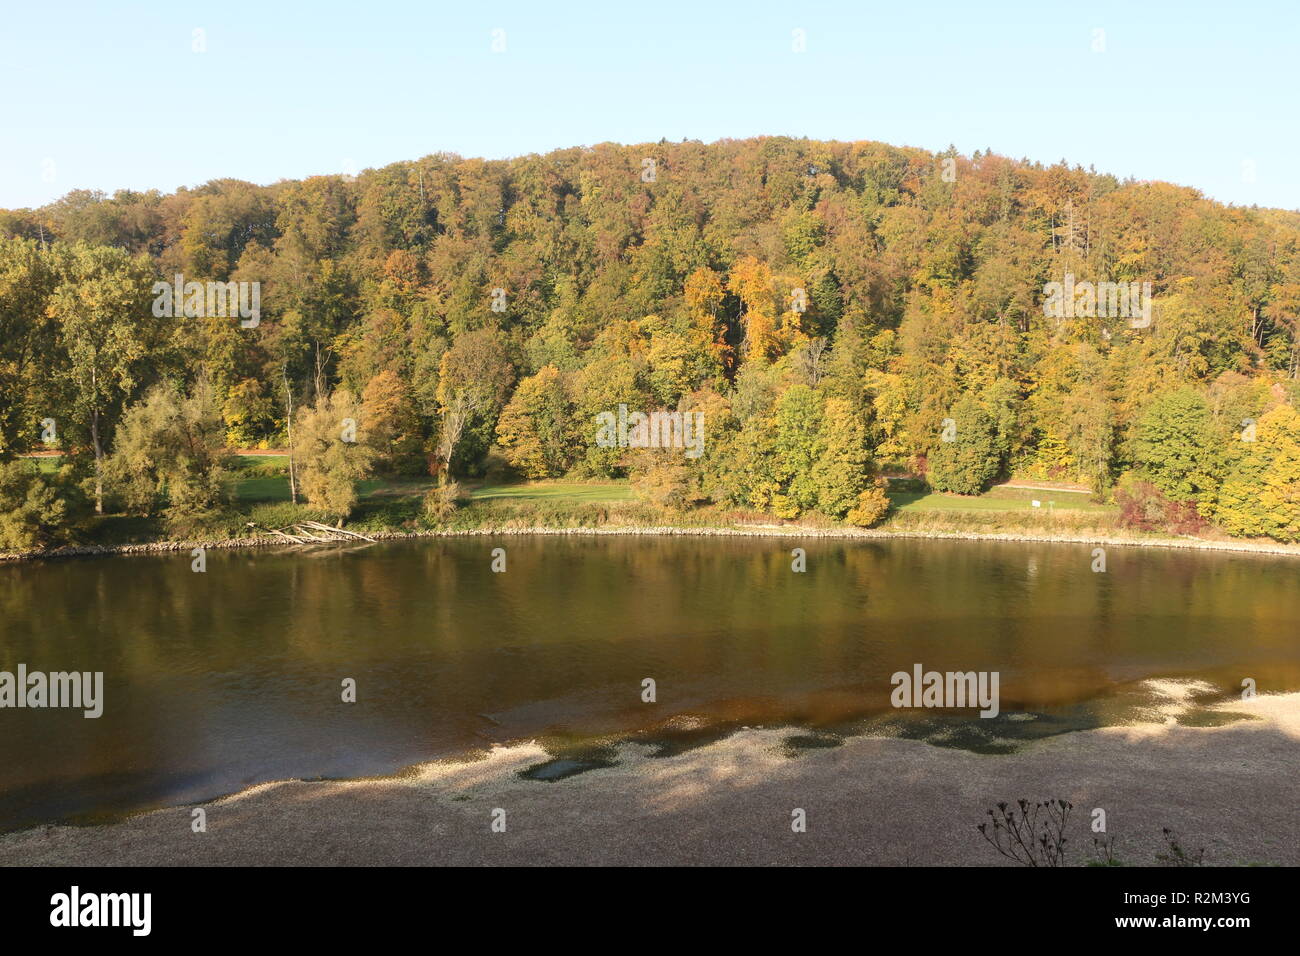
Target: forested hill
[833,308]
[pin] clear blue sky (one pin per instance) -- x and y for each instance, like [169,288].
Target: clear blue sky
[111,95]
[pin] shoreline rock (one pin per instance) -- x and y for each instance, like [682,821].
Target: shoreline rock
[740,531]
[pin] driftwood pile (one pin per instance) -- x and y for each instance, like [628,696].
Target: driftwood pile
[313,532]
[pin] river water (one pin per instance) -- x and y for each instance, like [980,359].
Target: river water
[217,680]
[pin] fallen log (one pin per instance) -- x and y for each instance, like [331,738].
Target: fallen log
[335,531]
[313,532]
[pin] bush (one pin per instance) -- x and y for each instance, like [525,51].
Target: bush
[215,523]
[35,509]
[282,514]
[666,482]
[441,501]
[910,485]
[1141,505]
[277,468]
[871,507]
[1144,507]
[1034,836]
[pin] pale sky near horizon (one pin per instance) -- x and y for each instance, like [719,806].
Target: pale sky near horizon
[116,95]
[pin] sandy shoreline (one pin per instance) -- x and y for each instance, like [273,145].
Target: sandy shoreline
[762,531]
[877,801]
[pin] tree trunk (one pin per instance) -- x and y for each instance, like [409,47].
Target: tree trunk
[99,461]
[288,401]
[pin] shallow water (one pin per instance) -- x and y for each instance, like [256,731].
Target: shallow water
[218,680]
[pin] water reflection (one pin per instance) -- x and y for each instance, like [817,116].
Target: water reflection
[214,681]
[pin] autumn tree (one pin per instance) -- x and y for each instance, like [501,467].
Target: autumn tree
[843,470]
[393,423]
[332,452]
[1261,496]
[538,429]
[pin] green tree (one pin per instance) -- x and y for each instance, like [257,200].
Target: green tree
[966,464]
[172,444]
[110,338]
[474,381]
[36,510]
[1177,446]
[798,443]
[27,342]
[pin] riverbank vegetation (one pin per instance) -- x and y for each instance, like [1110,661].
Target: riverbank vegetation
[839,313]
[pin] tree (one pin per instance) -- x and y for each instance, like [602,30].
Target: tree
[751,280]
[872,506]
[393,423]
[798,443]
[473,381]
[27,341]
[917,291]
[1261,496]
[966,464]
[332,452]
[110,339]
[1178,447]
[172,444]
[248,412]
[665,479]
[538,430]
[704,300]
[843,471]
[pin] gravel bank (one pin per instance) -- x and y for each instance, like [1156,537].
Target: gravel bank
[1232,789]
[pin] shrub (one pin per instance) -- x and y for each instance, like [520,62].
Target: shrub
[1035,836]
[282,514]
[871,507]
[35,509]
[1142,506]
[276,468]
[441,501]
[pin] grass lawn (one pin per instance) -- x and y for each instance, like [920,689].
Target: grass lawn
[998,499]
[262,489]
[543,490]
[252,461]
[270,489]
[277,489]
